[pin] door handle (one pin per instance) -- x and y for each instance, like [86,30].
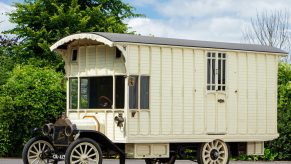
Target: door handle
[220,100]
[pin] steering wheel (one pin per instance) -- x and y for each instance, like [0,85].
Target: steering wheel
[105,102]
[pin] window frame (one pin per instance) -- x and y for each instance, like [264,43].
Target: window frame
[70,95]
[220,71]
[139,92]
[77,55]
[79,108]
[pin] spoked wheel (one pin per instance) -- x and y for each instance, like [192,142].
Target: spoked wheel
[215,152]
[84,151]
[38,150]
[170,160]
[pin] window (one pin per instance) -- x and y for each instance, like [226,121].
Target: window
[142,92]
[96,92]
[216,69]
[119,92]
[74,55]
[133,92]
[73,92]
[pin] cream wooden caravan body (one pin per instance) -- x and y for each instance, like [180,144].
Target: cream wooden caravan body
[198,91]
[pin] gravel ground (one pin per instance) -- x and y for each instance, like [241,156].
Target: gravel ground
[129,161]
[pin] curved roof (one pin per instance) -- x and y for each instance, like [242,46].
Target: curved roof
[110,38]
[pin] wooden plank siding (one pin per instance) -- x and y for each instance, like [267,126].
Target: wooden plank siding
[180,105]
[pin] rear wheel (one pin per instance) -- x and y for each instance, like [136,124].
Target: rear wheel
[215,152]
[84,150]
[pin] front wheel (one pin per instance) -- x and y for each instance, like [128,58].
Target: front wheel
[38,150]
[84,150]
[215,152]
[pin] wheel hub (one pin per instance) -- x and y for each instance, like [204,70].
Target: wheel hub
[214,154]
[84,158]
[40,156]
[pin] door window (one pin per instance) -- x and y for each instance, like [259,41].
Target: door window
[216,71]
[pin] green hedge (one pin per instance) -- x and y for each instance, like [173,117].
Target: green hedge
[281,147]
[31,97]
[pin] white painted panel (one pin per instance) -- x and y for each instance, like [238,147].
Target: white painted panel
[133,59]
[109,125]
[119,66]
[232,86]
[271,94]
[211,113]
[166,91]
[74,69]
[200,85]
[261,91]
[144,60]
[188,87]
[132,123]
[91,59]
[110,58]
[242,93]
[177,73]
[252,93]
[101,60]
[82,60]
[220,114]
[155,92]
[144,122]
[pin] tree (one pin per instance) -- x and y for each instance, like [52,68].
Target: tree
[40,23]
[7,56]
[31,97]
[271,29]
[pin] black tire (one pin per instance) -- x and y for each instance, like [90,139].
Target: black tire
[80,146]
[218,154]
[32,146]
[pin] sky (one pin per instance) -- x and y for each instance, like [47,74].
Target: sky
[214,20]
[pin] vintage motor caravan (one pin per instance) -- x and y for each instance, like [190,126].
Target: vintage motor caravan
[153,98]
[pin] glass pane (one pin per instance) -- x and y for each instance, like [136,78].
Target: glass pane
[96,92]
[104,92]
[144,92]
[213,72]
[133,93]
[74,55]
[223,72]
[73,93]
[208,70]
[84,93]
[219,71]
[119,92]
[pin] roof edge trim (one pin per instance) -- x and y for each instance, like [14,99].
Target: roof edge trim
[89,36]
